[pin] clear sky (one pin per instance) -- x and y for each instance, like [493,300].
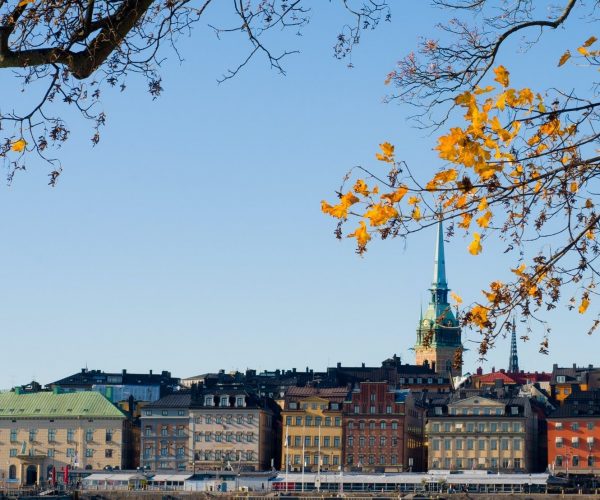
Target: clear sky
[191,238]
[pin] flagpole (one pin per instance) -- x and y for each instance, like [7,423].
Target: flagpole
[287,460]
[319,462]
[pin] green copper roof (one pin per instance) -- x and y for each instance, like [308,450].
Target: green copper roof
[439,267]
[50,405]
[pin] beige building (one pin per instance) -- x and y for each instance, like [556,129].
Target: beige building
[44,430]
[482,432]
[231,427]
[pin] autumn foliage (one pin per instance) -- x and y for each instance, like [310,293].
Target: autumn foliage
[521,167]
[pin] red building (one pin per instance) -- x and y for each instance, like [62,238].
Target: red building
[574,435]
[384,429]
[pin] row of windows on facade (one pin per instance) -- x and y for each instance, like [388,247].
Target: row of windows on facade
[165,413]
[325,459]
[53,433]
[575,461]
[574,442]
[373,460]
[178,431]
[180,452]
[373,409]
[226,419]
[482,444]
[294,405]
[373,425]
[211,456]
[70,452]
[479,427]
[383,441]
[575,426]
[477,463]
[514,410]
[316,421]
[229,437]
[326,442]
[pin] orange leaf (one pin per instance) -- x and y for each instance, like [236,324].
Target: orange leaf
[501,76]
[19,145]
[361,234]
[475,246]
[564,58]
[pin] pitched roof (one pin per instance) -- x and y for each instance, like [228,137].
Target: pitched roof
[323,392]
[52,405]
[178,400]
[578,404]
[87,378]
[490,378]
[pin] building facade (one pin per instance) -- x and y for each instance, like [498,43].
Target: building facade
[312,429]
[574,435]
[383,429]
[232,427]
[45,430]
[165,433]
[482,432]
[439,343]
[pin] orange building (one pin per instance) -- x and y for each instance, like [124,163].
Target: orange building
[574,435]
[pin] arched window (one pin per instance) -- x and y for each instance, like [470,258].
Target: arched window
[12,472]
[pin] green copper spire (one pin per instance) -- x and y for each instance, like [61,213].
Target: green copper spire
[439,268]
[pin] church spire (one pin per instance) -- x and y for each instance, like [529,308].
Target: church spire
[513,362]
[439,267]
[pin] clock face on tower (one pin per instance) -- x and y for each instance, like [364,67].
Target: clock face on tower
[425,322]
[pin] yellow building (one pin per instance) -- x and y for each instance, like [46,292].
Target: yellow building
[312,428]
[42,431]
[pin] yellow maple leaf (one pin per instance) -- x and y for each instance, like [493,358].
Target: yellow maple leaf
[361,234]
[475,246]
[585,302]
[442,177]
[591,40]
[338,211]
[379,214]
[18,145]
[416,213]
[573,187]
[484,90]
[396,196]
[484,220]
[483,204]
[361,187]
[501,76]
[479,315]
[564,58]
[387,149]
[413,200]
[457,298]
[590,234]
[583,51]
[466,221]
[519,270]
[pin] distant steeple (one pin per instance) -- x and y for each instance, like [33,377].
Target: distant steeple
[513,362]
[439,267]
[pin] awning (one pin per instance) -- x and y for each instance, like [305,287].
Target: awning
[170,478]
[114,477]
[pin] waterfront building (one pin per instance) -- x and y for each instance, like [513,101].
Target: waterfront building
[231,427]
[165,435]
[439,344]
[492,431]
[574,434]
[383,429]
[312,428]
[42,431]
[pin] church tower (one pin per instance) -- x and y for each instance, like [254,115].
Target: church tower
[438,333]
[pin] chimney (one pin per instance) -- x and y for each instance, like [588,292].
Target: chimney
[493,369]
[124,371]
[574,366]
[363,365]
[480,371]
[339,365]
[150,372]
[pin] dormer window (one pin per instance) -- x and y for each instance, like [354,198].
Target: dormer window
[224,401]
[514,410]
[438,410]
[209,400]
[239,401]
[560,379]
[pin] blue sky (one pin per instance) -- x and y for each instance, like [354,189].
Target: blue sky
[191,239]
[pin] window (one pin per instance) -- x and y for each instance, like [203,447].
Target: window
[338,421]
[209,401]
[251,419]
[504,426]
[470,444]
[89,435]
[371,425]
[336,460]
[336,442]
[308,421]
[493,427]
[517,463]
[575,442]
[459,464]
[388,409]
[32,434]
[516,426]
[372,410]
[109,435]
[350,459]
[514,410]
[590,461]
[164,451]
[51,436]
[13,452]
[224,401]
[558,461]
[447,427]
[505,463]
[382,425]
[356,409]
[12,472]
[560,379]
[447,444]
[459,444]
[208,437]
[148,413]
[218,419]
[218,437]
[13,435]
[371,459]
[240,419]
[575,462]
[288,420]
[382,441]
[208,419]
[372,441]
[436,444]
[108,453]
[482,444]
[481,427]
[575,426]
[165,413]
[298,420]
[394,425]
[504,444]
[297,441]
[306,441]
[361,441]
[70,452]
[558,426]
[436,427]
[590,426]
[493,444]
[316,441]
[327,421]
[470,427]
[164,431]
[326,441]
[180,451]
[239,401]
[89,452]
[318,421]
[516,444]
